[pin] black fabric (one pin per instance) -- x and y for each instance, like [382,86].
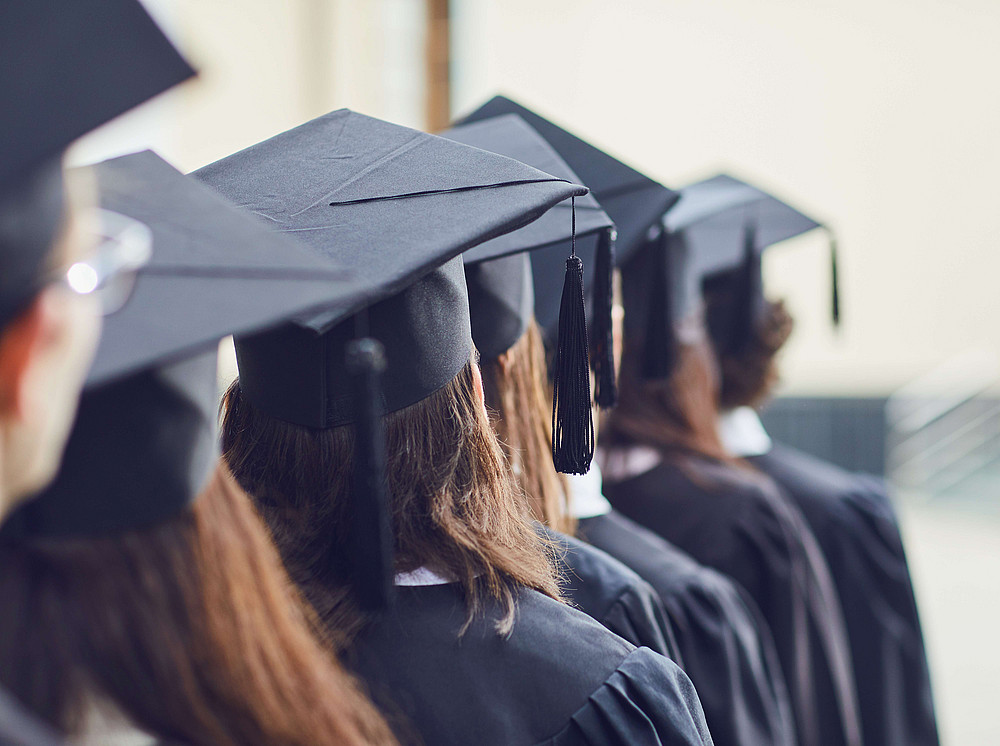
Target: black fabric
[295,374]
[19,728]
[31,215]
[501,302]
[856,527]
[344,184]
[69,66]
[559,678]
[140,451]
[740,524]
[633,201]
[215,270]
[511,136]
[609,592]
[724,645]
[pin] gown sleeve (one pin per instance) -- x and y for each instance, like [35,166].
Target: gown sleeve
[647,701]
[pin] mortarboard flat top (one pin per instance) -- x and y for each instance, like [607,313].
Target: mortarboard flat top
[397,207]
[386,201]
[633,200]
[713,215]
[144,438]
[69,66]
[548,238]
[215,269]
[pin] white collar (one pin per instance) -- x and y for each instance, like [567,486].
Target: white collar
[742,433]
[422,576]
[106,725]
[585,497]
[620,464]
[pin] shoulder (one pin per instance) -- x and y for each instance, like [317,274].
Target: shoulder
[449,685]
[646,700]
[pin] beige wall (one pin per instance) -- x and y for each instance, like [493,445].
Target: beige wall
[880,116]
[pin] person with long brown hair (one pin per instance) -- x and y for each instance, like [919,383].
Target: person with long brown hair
[143,599]
[473,644]
[65,68]
[850,514]
[665,468]
[723,647]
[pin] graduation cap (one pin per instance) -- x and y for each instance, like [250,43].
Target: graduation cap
[635,202]
[725,225]
[65,68]
[501,292]
[144,438]
[397,207]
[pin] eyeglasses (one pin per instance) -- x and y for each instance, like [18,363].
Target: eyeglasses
[124,246]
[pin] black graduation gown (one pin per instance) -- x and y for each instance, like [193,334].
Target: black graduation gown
[856,527]
[739,523]
[609,592]
[559,678]
[19,728]
[724,646]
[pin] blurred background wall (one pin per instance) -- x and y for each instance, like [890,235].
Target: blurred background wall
[879,117]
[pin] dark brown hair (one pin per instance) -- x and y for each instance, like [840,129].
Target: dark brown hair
[517,390]
[190,627]
[676,415]
[454,509]
[748,376]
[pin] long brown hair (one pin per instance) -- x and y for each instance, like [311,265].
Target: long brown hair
[516,385]
[676,415]
[749,375]
[454,509]
[190,627]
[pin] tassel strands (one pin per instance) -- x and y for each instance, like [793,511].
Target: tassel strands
[834,281]
[602,338]
[572,415]
[371,538]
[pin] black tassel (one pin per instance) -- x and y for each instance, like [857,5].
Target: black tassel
[834,281]
[371,536]
[659,353]
[751,287]
[602,346]
[572,415]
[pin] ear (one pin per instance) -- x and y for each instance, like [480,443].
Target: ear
[477,382]
[21,344]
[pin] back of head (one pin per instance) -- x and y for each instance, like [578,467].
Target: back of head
[517,390]
[452,499]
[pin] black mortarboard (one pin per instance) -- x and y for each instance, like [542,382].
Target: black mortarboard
[69,66]
[499,277]
[397,207]
[144,438]
[725,225]
[633,201]
[65,67]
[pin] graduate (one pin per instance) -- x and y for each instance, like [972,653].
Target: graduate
[65,68]
[665,468]
[474,645]
[850,514]
[501,301]
[143,600]
[723,643]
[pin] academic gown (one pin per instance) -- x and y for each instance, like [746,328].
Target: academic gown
[19,728]
[856,528]
[739,523]
[558,679]
[724,645]
[609,592]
